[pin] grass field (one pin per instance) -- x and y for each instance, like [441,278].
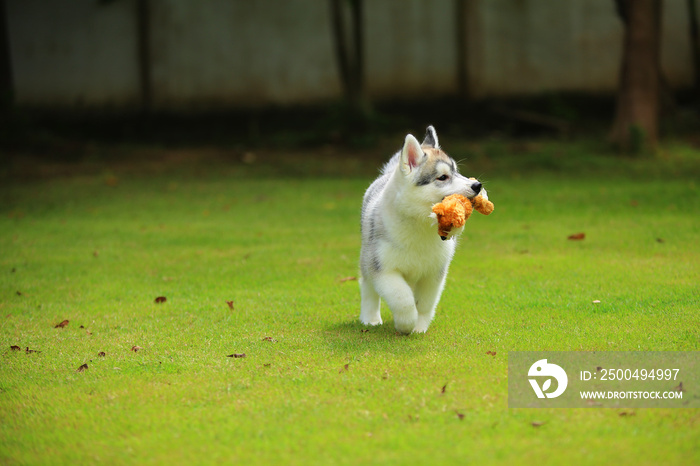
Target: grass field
[259,259]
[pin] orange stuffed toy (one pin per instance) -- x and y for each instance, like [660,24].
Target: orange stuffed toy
[454,210]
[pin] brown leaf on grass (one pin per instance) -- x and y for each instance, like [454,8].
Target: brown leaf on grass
[230,304]
[270,339]
[19,293]
[15,348]
[95,253]
[598,368]
[679,388]
[577,237]
[625,413]
[62,324]
[442,390]
[491,353]
[634,203]
[111,181]
[27,350]
[364,330]
[102,354]
[82,368]
[347,279]
[660,240]
[135,348]
[537,423]
[236,355]
[344,369]
[460,416]
[161,299]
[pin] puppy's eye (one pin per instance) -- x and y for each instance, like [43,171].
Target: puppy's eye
[443,177]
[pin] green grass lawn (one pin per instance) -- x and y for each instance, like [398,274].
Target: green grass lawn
[98,245]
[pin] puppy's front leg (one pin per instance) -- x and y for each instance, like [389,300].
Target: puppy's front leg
[399,297]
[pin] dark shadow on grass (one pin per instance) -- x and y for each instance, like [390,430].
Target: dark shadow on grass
[354,337]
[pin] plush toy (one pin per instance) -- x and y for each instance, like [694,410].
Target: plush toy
[454,210]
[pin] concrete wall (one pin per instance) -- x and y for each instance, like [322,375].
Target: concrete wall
[223,52]
[238,53]
[531,46]
[72,54]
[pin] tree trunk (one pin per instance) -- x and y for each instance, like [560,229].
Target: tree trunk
[350,54]
[636,119]
[143,21]
[6,81]
[694,46]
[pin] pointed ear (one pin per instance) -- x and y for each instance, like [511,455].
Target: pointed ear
[411,154]
[431,138]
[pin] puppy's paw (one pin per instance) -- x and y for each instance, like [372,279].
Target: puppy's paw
[372,322]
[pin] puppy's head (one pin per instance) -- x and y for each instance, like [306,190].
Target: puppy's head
[431,172]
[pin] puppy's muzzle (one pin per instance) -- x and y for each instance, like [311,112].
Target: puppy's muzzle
[476,187]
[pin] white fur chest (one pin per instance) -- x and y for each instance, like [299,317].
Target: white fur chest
[415,250]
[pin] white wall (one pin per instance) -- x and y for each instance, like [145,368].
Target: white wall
[532,46]
[223,52]
[238,53]
[73,53]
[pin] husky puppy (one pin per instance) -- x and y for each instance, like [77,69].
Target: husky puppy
[403,259]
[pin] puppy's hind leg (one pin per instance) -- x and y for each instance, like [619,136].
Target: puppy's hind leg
[369,310]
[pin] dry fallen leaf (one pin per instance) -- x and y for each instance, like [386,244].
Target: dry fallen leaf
[230,304]
[111,181]
[344,369]
[62,324]
[442,391]
[160,299]
[19,293]
[491,353]
[270,339]
[537,423]
[102,354]
[236,355]
[347,279]
[577,236]
[679,388]
[459,415]
[625,413]
[15,348]
[364,330]
[135,348]
[660,240]
[82,368]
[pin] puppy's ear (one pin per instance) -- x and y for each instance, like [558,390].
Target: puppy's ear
[431,138]
[411,154]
